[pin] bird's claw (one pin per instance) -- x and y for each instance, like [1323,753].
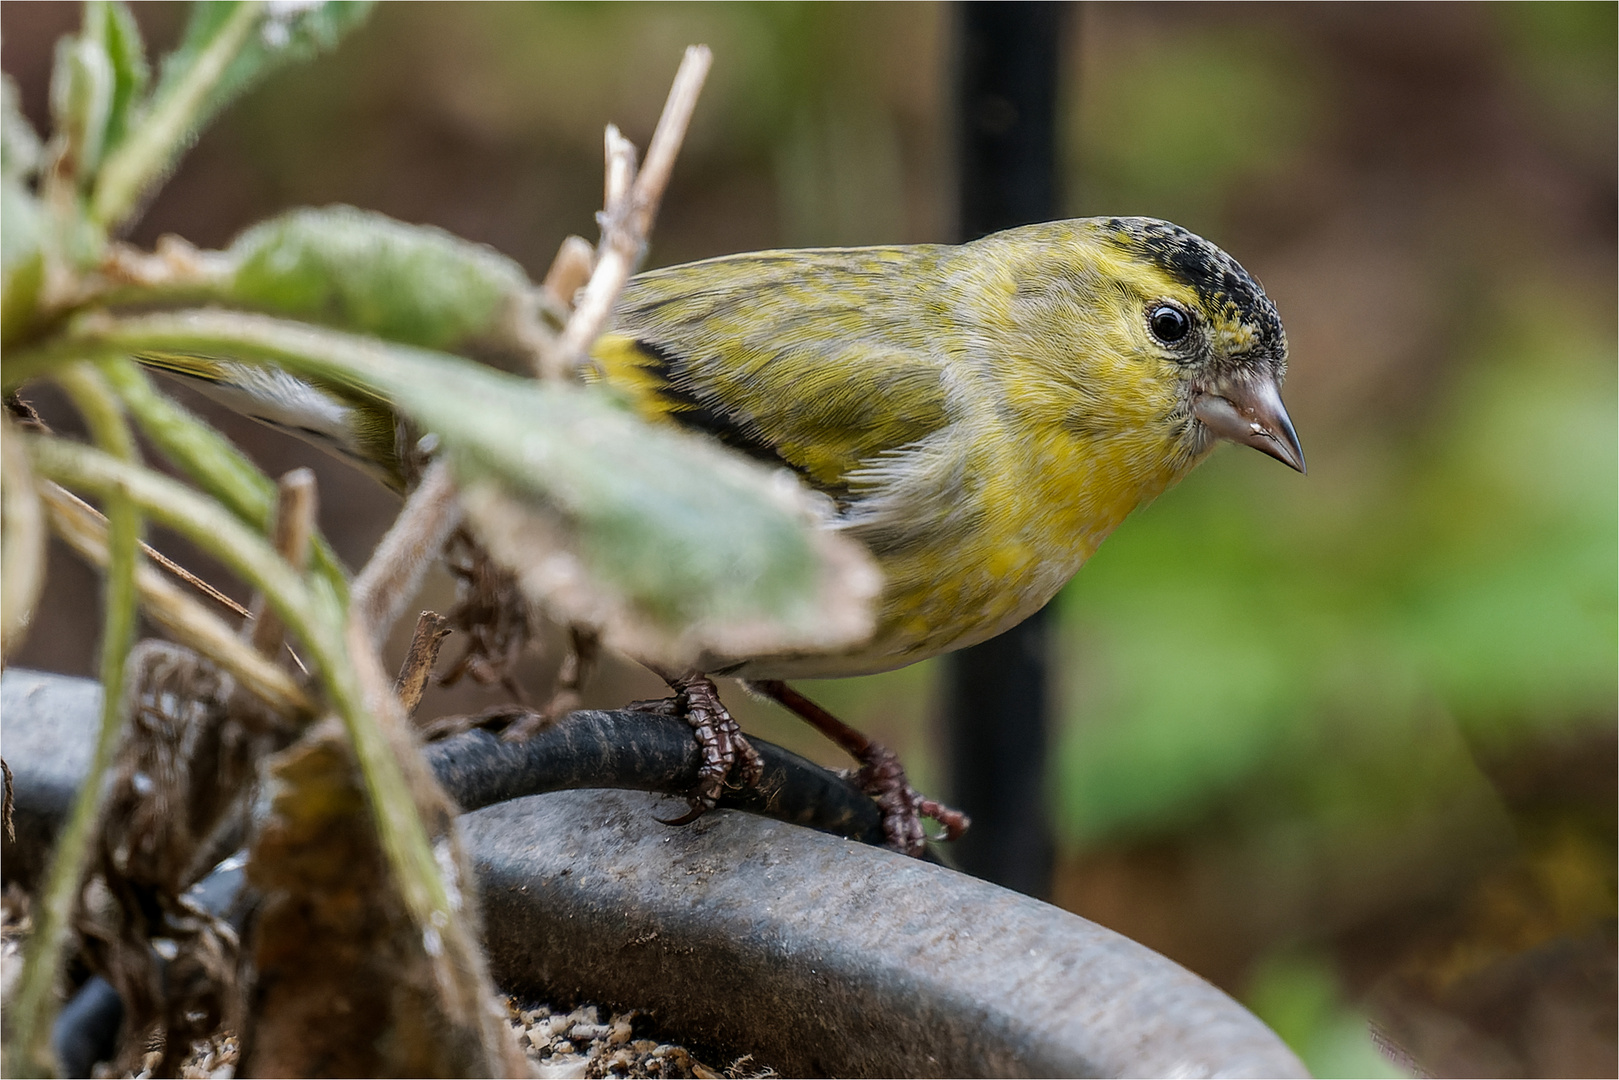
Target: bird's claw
[728,758]
[883,778]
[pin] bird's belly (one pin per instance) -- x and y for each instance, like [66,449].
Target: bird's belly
[946,589]
[934,605]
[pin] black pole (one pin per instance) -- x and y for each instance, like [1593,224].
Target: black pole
[996,694]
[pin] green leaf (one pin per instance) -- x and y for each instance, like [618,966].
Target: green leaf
[361,271]
[678,550]
[284,32]
[228,46]
[81,101]
[110,23]
[22,263]
[19,145]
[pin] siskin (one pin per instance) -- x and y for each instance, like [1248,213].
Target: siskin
[981,417]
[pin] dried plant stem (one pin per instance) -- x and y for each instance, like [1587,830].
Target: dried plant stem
[411,683]
[294,524]
[182,574]
[29,1053]
[632,205]
[314,613]
[619,176]
[169,565]
[570,270]
[584,647]
[85,531]
[418,535]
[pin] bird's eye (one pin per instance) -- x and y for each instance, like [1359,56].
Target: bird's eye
[1169,324]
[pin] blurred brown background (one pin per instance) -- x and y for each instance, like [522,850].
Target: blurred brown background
[1343,744]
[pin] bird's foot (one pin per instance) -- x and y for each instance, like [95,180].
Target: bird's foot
[881,775]
[727,755]
[883,778]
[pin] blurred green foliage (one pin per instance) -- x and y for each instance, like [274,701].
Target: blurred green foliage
[1304,675]
[1246,626]
[1202,111]
[357,270]
[1299,996]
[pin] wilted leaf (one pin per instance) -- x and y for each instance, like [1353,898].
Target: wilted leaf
[678,550]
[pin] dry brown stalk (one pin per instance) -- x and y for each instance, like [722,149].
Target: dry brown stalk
[291,531]
[631,206]
[570,270]
[431,630]
[389,581]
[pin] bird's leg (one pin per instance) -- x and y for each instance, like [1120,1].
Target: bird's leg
[725,750]
[881,775]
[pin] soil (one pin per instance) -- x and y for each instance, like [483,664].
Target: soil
[559,1043]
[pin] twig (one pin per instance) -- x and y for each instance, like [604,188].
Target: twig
[294,525]
[631,207]
[85,531]
[9,803]
[619,176]
[393,575]
[431,630]
[180,572]
[569,272]
[168,564]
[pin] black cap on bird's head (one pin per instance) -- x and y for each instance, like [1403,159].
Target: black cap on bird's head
[1242,348]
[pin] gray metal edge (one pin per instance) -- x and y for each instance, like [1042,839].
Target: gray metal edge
[826,957]
[821,956]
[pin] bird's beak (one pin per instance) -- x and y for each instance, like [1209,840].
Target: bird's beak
[1248,410]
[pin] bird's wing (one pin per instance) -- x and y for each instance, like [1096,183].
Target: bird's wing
[350,421]
[822,361]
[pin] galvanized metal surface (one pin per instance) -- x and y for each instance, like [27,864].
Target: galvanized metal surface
[48,729]
[819,955]
[829,958]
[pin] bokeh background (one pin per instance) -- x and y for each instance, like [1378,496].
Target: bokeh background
[1343,744]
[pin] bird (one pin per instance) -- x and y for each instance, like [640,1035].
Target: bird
[980,416]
